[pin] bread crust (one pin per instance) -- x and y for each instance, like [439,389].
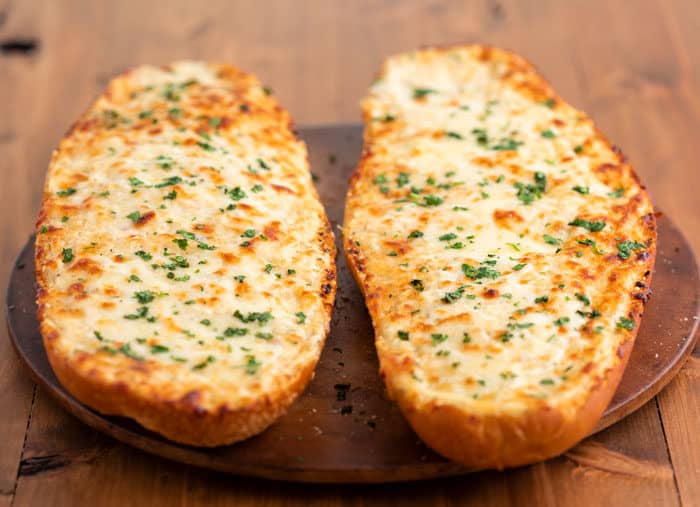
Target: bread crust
[179,398]
[493,437]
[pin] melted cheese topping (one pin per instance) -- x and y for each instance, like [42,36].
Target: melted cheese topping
[181,245]
[497,236]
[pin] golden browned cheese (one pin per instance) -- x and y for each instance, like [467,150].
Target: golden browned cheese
[504,249]
[185,265]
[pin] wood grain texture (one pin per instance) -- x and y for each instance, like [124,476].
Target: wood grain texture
[633,68]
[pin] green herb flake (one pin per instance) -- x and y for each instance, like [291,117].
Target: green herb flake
[583,298]
[67,255]
[581,189]
[561,321]
[592,226]
[438,338]
[167,182]
[548,134]
[144,297]
[625,323]
[625,248]
[415,234]
[480,272]
[251,366]
[419,93]
[527,193]
[551,240]
[403,335]
[418,285]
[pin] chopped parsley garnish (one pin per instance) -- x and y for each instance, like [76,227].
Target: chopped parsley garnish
[236,193]
[256,188]
[264,336]
[625,323]
[165,162]
[415,234]
[451,297]
[480,272]
[173,180]
[203,364]
[542,299]
[205,146]
[548,134]
[625,248]
[134,278]
[438,338]
[403,335]
[268,268]
[581,189]
[67,255]
[593,226]
[134,216]
[550,103]
[126,350]
[144,255]
[619,192]
[425,200]
[170,195]
[44,229]
[578,149]
[251,366]
[551,240]
[527,192]
[448,237]
[453,135]
[235,331]
[66,192]
[422,92]
[519,266]
[159,349]
[507,144]
[561,321]
[145,296]
[98,335]
[380,179]
[547,382]
[215,122]
[248,233]
[205,322]
[402,179]
[418,285]
[301,317]
[260,317]
[141,313]
[583,298]
[593,245]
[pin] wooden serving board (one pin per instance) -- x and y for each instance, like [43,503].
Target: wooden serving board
[343,428]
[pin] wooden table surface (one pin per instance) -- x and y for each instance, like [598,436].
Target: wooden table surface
[634,66]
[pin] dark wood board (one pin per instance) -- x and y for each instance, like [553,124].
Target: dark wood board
[364,438]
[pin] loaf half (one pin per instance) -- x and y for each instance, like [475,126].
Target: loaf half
[185,266]
[504,248]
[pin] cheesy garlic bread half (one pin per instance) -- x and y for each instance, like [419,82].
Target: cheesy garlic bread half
[504,248]
[185,265]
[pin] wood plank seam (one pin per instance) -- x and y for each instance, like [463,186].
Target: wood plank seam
[668,451]
[24,444]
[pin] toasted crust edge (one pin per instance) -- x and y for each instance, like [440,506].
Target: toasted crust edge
[500,440]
